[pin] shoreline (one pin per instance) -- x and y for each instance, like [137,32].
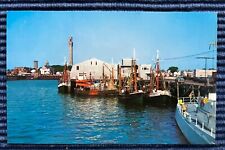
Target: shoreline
[45,77]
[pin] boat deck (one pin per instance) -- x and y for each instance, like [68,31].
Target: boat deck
[191,116]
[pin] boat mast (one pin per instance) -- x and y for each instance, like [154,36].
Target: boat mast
[103,74]
[132,76]
[135,77]
[113,75]
[157,70]
[119,78]
[150,81]
[65,73]
[90,75]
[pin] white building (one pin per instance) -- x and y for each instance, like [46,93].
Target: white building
[201,73]
[143,70]
[188,73]
[92,68]
[45,71]
[177,74]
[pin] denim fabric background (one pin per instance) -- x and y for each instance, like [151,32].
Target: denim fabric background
[139,5]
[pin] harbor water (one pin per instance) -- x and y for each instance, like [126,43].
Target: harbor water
[38,114]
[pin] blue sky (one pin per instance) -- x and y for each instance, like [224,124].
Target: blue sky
[43,35]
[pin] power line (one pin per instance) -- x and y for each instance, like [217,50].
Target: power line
[187,56]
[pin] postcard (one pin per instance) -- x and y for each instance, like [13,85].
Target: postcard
[111,77]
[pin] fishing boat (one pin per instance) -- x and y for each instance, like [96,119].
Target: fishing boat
[134,96]
[91,87]
[158,95]
[130,93]
[196,119]
[64,83]
[107,86]
[159,98]
[85,88]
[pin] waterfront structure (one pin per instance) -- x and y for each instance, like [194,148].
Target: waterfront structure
[45,70]
[92,69]
[21,71]
[95,68]
[70,44]
[35,64]
[199,73]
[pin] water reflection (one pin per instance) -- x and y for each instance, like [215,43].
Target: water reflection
[107,120]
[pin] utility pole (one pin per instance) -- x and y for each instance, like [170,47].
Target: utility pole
[119,79]
[178,90]
[206,58]
[214,46]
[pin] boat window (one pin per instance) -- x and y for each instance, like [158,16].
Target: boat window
[96,63]
[77,67]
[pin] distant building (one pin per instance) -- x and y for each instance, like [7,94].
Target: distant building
[21,71]
[35,64]
[126,62]
[59,73]
[144,71]
[92,68]
[126,67]
[198,73]
[176,74]
[33,71]
[188,73]
[45,70]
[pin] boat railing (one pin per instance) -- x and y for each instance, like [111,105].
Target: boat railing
[189,99]
[198,124]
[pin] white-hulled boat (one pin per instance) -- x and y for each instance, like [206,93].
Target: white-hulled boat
[64,83]
[196,119]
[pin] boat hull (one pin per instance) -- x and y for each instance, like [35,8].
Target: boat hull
[108,93]
[95,93]
[131,98]
[193,134]
[160,100]
[63,89]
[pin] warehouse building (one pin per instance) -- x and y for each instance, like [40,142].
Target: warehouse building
[92,69]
